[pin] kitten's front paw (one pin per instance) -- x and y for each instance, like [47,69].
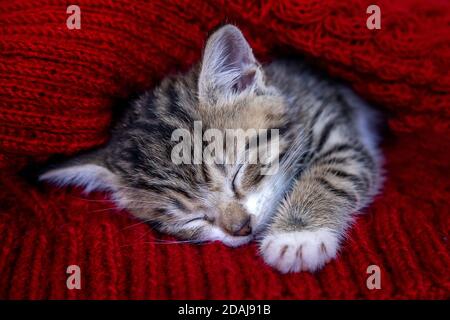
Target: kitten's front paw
[299,250]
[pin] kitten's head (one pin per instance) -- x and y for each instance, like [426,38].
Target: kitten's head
[226,195]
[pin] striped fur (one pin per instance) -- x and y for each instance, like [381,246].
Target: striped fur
[329,161]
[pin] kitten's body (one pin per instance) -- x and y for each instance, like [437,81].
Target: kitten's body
[329,164]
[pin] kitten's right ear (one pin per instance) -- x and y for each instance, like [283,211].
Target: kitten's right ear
[228,67]
[87,171]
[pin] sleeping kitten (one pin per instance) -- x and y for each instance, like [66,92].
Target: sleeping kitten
[329,163]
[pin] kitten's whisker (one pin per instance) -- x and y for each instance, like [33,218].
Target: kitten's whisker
[133,189]
[136,224]
[91,200]
[108,209]
[167,242]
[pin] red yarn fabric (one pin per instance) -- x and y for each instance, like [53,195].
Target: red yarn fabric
[59,87]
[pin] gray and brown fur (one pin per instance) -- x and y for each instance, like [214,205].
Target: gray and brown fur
[329,160]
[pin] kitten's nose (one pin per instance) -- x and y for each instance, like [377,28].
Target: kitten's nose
[235,220]
[245,229]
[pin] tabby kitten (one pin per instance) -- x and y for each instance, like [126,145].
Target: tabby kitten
[329,163]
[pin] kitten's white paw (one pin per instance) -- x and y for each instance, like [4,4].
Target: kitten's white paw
[299,250]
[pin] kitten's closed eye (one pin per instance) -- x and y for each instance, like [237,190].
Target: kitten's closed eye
[202,218]
[233,183]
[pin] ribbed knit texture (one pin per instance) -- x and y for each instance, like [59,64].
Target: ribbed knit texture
[58,88]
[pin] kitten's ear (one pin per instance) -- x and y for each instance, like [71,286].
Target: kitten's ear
[87,171]
[228,67]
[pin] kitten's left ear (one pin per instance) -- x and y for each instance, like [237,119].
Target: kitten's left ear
[229,66]
[88,171]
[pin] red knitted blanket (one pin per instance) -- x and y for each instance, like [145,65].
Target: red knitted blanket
[59,87]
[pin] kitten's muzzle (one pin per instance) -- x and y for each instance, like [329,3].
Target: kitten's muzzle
[236,221]
[244,230]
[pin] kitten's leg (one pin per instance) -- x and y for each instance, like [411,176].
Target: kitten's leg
[311,221]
